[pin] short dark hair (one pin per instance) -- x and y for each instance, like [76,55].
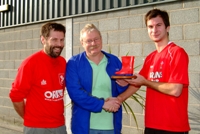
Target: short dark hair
[157,12]
[47,27]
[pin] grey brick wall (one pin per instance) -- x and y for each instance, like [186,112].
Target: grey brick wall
[123,31]
[16,44]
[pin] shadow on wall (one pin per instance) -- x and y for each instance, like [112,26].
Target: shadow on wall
[194,114]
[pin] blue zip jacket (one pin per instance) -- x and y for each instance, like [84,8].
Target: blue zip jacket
[79,87]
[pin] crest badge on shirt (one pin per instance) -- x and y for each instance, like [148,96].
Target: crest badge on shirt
[61,78]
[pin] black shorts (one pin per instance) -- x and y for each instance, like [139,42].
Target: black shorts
[157,131]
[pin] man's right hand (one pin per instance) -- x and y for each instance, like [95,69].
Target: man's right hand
[111,104]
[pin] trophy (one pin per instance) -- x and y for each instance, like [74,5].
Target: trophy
[127,69]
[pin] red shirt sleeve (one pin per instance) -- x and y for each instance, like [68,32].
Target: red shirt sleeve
[22,83]
[179,67]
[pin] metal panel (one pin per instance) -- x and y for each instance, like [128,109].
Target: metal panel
[100,5]
[11,3]
[5,15]
[34,10]
[80,6]
[45,8]
[18,9]
[30,14]
[74,6]
[31,11]
[50,9]
[61,7]
[1,15]
[14,12]
[123,3]
[107,4]
[86,6]
[67,8]
[27,11]
[9,20]
[93,5]
[41,11]
[115,3]
[132,2]
[56,8]
[21,11]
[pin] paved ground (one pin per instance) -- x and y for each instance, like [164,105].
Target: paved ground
[9,129]
[4,130]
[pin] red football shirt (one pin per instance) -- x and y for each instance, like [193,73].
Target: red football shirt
[163,111]
[40,80]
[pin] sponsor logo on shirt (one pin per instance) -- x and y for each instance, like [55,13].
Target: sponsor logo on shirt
[55,95]
[156,75]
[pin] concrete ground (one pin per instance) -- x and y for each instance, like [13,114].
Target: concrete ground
[10,129]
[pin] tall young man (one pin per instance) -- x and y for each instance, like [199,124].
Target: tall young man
[165,74]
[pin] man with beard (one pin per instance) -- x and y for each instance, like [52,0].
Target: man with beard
[37,92]
[89,84]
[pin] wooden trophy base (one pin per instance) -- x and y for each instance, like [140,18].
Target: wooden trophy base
[123,77]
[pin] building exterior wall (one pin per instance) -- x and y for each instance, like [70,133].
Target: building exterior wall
[122,31]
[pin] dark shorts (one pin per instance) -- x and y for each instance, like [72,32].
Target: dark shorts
[58,130]
[156,131]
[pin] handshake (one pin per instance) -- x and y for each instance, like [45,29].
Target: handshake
[112,104]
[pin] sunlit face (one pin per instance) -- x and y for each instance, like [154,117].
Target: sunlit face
[92,43]
[54,44]
[157,30]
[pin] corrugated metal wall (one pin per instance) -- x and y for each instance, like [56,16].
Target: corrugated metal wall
[29,11]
